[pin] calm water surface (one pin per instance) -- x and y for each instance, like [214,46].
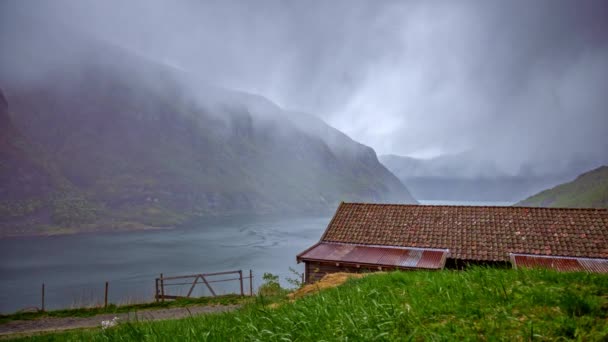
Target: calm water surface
[74,268]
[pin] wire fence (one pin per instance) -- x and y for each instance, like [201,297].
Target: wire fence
[135,290]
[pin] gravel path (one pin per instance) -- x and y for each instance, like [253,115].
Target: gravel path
[65,323]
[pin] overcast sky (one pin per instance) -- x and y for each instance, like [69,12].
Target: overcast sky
[511,81]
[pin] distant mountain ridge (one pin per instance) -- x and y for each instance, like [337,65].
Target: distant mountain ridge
[109,146]
[465,177]
[589,190]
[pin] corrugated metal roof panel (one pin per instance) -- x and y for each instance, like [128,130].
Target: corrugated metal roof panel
[432,258]
[394,258]
[595,265]
[404,257]
[559,263]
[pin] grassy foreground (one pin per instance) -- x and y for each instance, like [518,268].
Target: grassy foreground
[479,303]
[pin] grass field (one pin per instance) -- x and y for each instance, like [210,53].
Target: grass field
[477,304]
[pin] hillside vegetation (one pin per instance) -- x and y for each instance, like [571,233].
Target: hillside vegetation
[589,190]
[486,304]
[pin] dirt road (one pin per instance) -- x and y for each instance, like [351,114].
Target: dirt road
[49,324]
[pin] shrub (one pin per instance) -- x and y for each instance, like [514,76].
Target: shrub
[271,286]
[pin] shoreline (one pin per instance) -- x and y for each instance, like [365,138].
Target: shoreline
[120,228]
[42,231]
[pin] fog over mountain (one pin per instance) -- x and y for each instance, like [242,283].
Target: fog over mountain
[99,137]
[517,82]
[462,177]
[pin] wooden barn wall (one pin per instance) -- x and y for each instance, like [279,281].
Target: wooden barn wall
[317,270]
[314,271]
[464,264]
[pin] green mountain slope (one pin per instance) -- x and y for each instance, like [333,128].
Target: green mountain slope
[121,142]
[589,190]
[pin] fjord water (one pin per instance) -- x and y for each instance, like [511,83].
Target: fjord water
[74,268]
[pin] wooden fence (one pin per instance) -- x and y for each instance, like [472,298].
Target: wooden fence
[42,307]
[163,284]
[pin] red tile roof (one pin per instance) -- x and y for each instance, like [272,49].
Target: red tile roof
[560,263]
[365,255]
[474,233]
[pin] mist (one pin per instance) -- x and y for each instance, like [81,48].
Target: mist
[521,84]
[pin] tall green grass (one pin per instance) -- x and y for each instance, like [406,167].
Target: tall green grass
[477,304]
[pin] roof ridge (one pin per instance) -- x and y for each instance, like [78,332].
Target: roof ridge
[471,206]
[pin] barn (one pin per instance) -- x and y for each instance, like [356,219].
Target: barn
[363,237]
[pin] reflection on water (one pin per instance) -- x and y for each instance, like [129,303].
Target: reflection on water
[74,268]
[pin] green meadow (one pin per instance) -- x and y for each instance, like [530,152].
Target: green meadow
[476,304]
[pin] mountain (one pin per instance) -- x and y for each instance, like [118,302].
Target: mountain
[24,178]
[589,190]
[465,177]
[121,142]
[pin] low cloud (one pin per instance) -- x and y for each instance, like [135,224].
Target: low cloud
[517,82]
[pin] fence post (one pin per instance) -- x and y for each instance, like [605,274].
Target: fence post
[162,288]
[241,280]
[105,297]
[250,283]
[156,289]
[42,297]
